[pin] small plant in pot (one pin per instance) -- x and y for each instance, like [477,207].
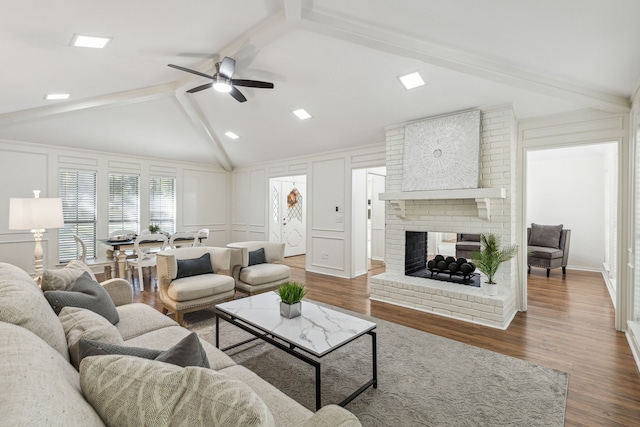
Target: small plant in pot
[489,258]
[291,294]
[154,228]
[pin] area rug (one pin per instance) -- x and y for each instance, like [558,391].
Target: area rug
[423,379]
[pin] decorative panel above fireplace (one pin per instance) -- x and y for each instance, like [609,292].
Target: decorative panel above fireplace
[442,153]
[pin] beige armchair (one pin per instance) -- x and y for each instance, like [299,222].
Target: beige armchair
[257,266]
[202,286]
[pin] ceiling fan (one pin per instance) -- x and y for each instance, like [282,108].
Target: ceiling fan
[222,81]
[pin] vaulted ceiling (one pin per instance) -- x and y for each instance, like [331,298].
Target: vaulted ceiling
[337,59]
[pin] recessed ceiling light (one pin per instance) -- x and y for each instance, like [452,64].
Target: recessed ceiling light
[231,135]
[410,81]
[301,114]
[90,41]
[56,96]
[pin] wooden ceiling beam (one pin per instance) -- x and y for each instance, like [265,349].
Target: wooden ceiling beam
[399,44]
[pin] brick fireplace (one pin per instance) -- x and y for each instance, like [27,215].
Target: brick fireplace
[491,208]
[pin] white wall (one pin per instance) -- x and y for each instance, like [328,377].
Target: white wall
[567,186]
[202,197]
[329,233]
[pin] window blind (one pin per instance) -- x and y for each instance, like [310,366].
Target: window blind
[77,189]
[124,202]
[162,203]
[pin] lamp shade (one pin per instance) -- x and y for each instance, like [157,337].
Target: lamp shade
[35,213]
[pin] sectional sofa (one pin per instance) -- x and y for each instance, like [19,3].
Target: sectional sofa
[42,387]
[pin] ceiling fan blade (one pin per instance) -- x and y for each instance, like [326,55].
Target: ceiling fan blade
[199,88]
[237,95]
[227,66]
[252,83]
[198,73]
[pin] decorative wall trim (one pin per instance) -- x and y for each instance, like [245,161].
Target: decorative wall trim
[74,160]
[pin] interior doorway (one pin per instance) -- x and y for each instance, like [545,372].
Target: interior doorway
[368,219]
[578,187]
[288,213]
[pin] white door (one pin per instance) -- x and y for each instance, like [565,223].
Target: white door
[288,214]
[377,217]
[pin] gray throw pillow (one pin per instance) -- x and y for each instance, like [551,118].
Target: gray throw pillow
[257,257]
[194,266]
[547,236]
[469,238]
[187,352]
[85,293]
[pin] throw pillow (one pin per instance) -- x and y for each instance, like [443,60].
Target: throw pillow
[85,293]
[22,304]
[80,323]
[547,236]
[187,352]
[131,391]
[61,279]
[469,238]
[257,257]
[194,266]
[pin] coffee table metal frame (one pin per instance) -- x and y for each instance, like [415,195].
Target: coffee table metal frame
[295,351]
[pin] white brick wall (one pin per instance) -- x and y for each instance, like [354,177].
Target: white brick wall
[497,170]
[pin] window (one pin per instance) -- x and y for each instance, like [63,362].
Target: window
[162,203]
[124,203]
[77,189]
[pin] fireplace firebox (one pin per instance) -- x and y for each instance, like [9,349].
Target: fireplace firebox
[416,261]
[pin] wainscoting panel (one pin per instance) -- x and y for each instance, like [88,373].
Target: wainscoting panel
[328,252]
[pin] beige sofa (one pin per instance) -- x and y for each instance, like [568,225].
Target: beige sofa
[41,387]
[262,277]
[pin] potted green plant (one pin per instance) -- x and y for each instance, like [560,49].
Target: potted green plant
[489,258]
[154,228]
[291,294]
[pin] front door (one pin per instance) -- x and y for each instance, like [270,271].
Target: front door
[288,212]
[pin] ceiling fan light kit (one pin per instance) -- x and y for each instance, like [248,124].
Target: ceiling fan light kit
[222,81]
[220,84]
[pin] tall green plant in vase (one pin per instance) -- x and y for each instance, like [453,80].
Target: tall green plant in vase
[490,257]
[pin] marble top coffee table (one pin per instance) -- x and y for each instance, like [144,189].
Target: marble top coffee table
[309,337]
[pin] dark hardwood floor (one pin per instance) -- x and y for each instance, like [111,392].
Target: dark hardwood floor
[569,326]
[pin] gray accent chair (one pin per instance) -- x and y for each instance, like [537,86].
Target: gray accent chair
[544,252]
[264,276]
[467,244]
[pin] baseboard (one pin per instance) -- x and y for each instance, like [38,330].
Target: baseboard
[611,288]
[633,336]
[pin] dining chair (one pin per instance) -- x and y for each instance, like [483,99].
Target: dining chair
[120,234]
[145,258]
[82,249]
[202,234]
[183,240]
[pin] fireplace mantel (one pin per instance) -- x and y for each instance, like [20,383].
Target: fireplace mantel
[480,195]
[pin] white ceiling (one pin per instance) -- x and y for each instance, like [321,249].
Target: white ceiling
[337,59]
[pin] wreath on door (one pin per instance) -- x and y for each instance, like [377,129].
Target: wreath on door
[293,198]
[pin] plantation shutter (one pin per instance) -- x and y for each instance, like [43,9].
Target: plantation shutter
[77,189]
[124,202]
[162,203]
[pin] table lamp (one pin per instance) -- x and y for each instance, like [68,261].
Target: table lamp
[36,214]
